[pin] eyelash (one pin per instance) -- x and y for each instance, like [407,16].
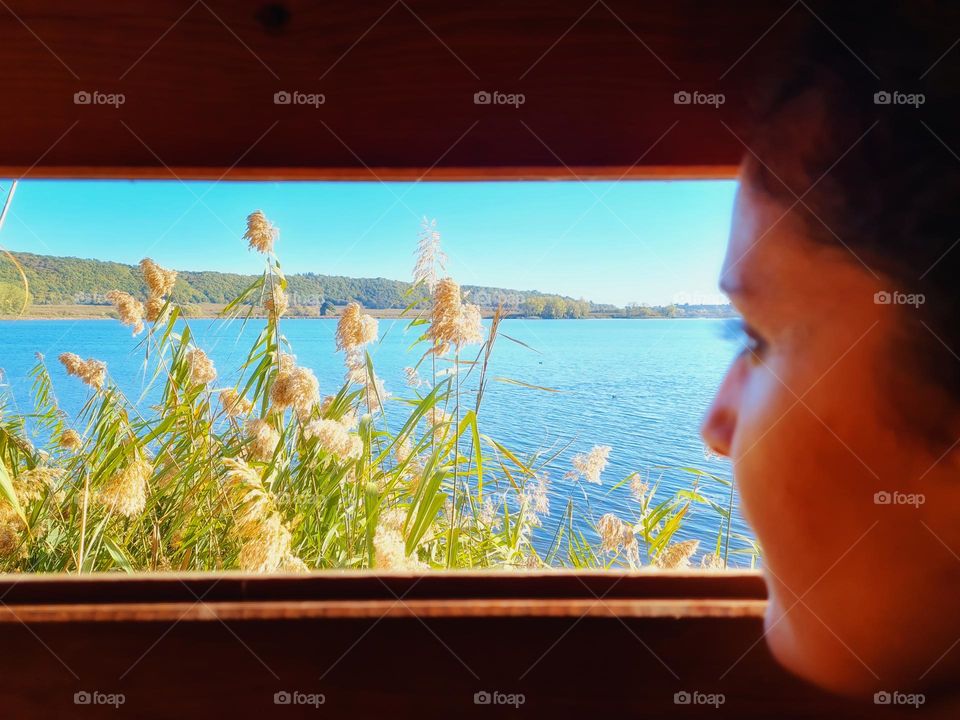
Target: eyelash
[749,339]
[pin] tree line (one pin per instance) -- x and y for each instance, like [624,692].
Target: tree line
[78,281]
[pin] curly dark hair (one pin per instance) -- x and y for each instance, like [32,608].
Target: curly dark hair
[859,121]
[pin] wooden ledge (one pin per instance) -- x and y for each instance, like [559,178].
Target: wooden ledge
[201,597]
[203,611]
[378,174]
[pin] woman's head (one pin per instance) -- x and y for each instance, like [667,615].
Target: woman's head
[842,415]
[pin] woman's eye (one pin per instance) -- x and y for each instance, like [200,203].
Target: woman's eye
[748,339]
[755,344]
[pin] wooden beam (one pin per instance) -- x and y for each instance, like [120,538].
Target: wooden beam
[223,645]
[186,89]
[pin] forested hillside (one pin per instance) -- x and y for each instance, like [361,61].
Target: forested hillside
[76,281]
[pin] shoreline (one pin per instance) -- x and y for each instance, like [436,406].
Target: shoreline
[211,312]
[51,318]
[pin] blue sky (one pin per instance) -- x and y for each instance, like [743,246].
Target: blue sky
[637,241]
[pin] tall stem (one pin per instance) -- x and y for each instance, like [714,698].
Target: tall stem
[726,544]
[456,459]
[23,276]
[83,521]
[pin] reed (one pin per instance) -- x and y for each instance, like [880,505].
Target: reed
[267,474]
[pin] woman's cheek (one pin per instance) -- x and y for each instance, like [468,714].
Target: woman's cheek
[788,468]
[758,450]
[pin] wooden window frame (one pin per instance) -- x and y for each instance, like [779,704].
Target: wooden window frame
[198,82]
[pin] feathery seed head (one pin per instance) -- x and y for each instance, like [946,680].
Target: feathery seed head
[293,564]
[537,491]
[712,562]
[130,309]
[277,304]
[154,308]
[590,465]
[452,322]
[263,439]
[356,364]
[355,328]
[160,281]
[296,387]
[32,484]
[126,491]
[639,489]
[429,255]
[615,533]
[266,551]
[403,449]
[234,404]
[676,556]
[413,378]
[287,362]
[202,370]
[390,552]
[239,473]
[260,234]
[71,440]
[90,371]
[11,540]
[333,437]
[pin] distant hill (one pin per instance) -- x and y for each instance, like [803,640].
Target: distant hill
[77,281]
[71,281]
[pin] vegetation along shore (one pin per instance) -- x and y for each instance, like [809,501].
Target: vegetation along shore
[77,288]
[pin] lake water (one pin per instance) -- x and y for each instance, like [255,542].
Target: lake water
[639,386]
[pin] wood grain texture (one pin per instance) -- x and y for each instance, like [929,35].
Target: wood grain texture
[397,645]
[234,596]
[298,610]
[198,78]
[398,78]
[358,585]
